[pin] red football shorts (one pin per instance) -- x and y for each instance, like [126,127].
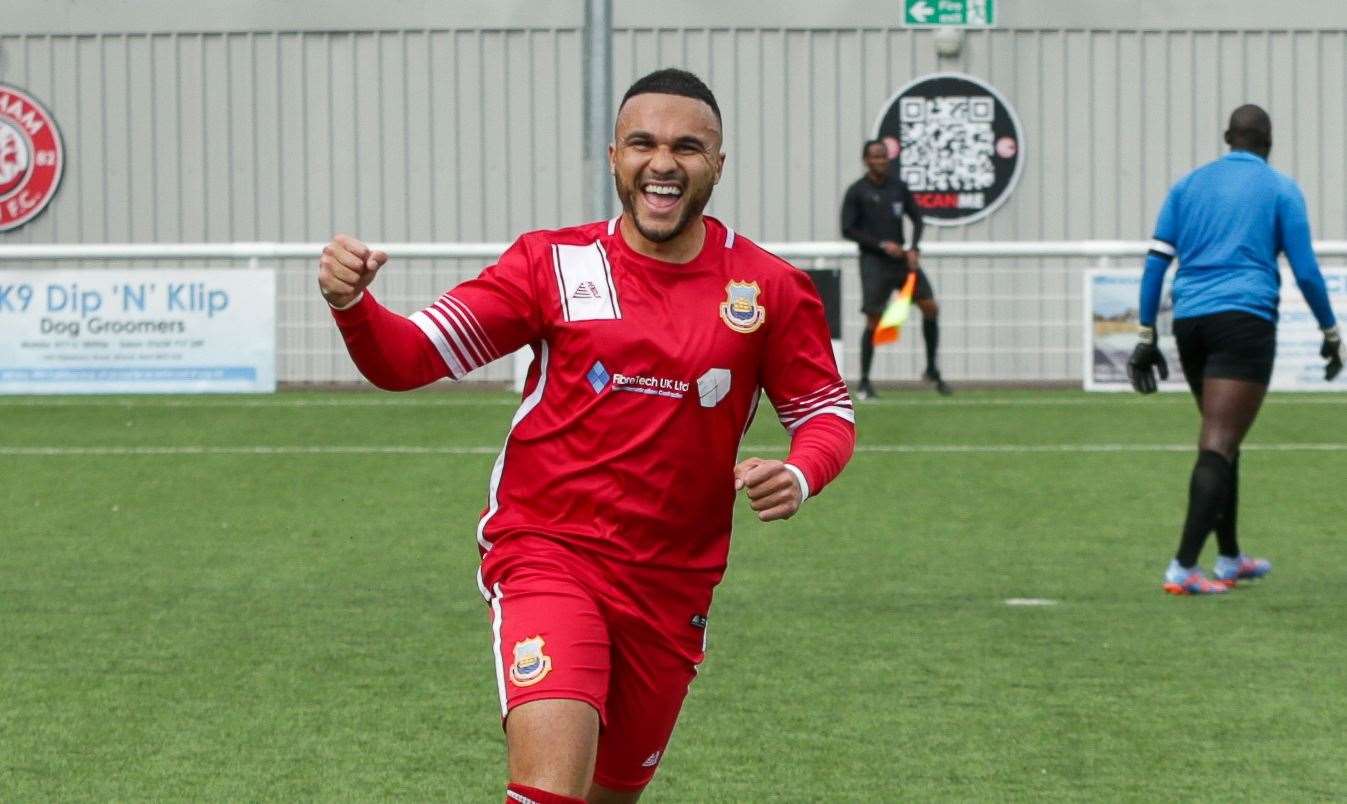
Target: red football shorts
[626,640]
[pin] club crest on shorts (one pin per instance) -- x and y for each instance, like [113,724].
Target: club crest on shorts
[530,664]
[740,311]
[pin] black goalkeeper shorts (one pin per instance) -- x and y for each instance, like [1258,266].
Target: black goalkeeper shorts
[1231,345]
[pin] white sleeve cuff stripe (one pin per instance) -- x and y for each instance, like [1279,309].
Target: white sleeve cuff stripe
[839,400]
[809,399]
[463,359]
[349,304]
[799,476]
[477,325]
[481,330]
[453,338]
[845,414]
[432,331]
[477,353]
[835,396]
[1162,247]
[471,352]
[789,420]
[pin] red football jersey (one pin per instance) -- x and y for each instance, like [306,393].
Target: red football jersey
[645,376]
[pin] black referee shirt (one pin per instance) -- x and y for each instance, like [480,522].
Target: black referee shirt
[872,213]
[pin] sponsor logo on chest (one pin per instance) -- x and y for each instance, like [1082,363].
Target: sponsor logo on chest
[712,387]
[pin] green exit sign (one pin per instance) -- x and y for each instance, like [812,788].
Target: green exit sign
[949,13]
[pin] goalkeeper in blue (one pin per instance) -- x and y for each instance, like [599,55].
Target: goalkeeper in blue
[1226,222]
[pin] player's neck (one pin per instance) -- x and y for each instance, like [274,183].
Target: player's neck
[683,247]
[876,179]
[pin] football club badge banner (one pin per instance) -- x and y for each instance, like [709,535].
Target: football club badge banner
[957,144]
[137,331]
[31,158]
[1111,321]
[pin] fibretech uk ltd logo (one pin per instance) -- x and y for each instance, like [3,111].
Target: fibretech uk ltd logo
[30,158]
[598,377]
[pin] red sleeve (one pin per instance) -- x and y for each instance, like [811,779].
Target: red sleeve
[388,349]
[820,448]
[469,326]
[801,379]
[488,317]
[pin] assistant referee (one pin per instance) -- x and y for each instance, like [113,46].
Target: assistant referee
[1226,222]
[872,215]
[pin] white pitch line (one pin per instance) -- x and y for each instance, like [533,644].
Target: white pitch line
[1038,448]
[386,449]
[1326,398]
[1030,601]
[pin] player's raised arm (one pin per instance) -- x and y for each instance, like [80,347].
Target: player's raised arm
[465,328]
[346,268]
[390,350]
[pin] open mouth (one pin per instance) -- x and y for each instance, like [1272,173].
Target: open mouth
[661,197]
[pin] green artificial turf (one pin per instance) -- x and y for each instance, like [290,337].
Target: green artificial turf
[303,624]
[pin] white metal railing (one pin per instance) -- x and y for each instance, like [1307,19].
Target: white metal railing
[1011,311]
[822,249]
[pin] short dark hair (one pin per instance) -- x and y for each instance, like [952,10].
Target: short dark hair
[672,81]
[1250,128]
[865,149]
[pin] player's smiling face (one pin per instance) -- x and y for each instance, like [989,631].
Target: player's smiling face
[665,160]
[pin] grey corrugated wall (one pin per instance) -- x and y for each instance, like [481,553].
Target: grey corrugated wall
[470,134]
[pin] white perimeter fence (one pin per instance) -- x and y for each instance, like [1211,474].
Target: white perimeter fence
[1010,311]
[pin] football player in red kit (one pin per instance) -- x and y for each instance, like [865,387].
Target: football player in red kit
[608,513]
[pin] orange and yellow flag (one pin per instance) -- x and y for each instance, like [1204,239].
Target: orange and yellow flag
[895,315]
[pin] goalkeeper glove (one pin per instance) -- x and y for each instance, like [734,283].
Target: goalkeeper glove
[1332,352]
[1146,359]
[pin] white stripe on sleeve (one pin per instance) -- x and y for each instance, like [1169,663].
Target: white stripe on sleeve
[440,342]
[454,336]
[843,413]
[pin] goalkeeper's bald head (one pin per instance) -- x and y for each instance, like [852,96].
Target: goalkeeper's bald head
[1250,130]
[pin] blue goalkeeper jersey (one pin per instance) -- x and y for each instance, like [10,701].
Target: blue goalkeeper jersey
[1226,222]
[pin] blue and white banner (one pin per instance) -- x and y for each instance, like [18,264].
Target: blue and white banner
[1111,321]
[137,331]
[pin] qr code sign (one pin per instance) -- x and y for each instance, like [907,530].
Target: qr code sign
[947,142]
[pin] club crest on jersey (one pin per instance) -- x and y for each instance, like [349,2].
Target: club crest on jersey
[530,665]
[740,311]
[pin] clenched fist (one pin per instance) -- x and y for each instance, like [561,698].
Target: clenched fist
[771,488]
[346,269]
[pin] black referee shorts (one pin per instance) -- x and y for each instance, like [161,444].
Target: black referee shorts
[881,276]
[1231,345]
